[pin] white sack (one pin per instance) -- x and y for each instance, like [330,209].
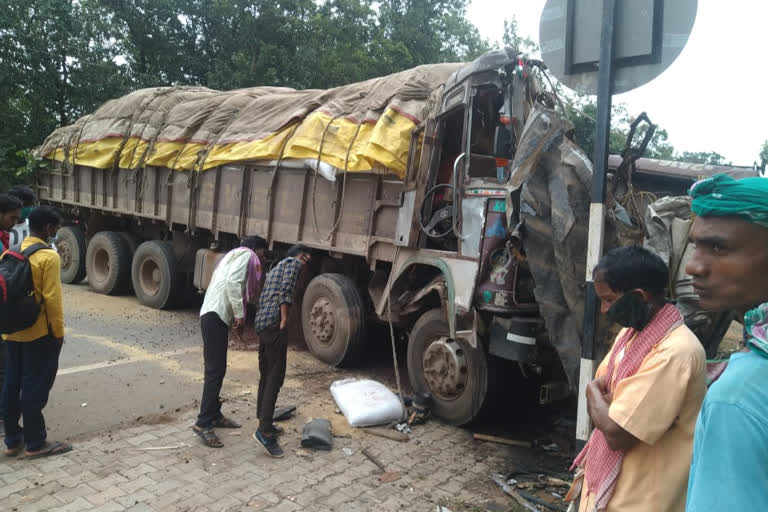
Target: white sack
[366,402]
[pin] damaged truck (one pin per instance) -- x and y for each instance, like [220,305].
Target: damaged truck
[447,199]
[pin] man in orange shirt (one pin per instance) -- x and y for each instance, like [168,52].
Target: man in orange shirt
[646,394]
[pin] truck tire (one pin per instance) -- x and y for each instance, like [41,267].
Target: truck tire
[333,319]
[154,274]
[108,263]
[451,370]
[71,247]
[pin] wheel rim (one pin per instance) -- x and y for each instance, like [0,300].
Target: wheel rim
[150,277]
[445,368]
[101,264]
[322,320]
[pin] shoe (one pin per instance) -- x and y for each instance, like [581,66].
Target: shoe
[270,444]
[279,430]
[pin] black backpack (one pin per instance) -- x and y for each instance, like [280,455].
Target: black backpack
[18,307]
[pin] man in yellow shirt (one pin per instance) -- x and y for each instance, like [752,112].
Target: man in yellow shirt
[646,394]
[32,355]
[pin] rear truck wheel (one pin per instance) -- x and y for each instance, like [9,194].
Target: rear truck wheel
[154,274]
[108,263]
[71,247]
[451,370]
[333,319]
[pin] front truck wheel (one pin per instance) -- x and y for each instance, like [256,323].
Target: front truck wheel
[333,319]
[451,370]
[108,263]
[71,247]
[155,275]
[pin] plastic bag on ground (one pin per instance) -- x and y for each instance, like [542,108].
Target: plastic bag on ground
[366,403]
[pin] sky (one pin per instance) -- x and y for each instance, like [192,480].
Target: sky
[714,97]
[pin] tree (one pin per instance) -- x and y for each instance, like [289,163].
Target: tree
[56,63]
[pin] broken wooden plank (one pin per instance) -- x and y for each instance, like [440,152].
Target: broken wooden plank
[503,440]
[387,433]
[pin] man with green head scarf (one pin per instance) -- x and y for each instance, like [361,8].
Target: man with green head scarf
[729,267]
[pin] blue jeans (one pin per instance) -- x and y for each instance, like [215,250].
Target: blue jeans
[31,368]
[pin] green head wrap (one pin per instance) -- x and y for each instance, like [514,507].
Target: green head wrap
[723,196]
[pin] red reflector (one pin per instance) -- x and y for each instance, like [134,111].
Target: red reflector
[505,120]
[502,162]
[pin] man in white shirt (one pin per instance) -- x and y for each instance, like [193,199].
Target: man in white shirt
[28,200]
[234,284]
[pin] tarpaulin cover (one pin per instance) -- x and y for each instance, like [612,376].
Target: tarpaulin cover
[362,127]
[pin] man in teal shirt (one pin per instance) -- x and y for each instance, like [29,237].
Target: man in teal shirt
[729,267]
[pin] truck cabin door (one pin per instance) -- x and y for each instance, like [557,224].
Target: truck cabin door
[487,148]
[437,208]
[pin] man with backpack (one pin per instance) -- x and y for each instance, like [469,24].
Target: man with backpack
[33,329]
[10,210]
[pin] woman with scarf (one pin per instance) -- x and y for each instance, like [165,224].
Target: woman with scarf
[234,284]
[645,397]
[729,267]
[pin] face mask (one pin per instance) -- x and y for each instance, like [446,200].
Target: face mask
[25,213]
[631,311]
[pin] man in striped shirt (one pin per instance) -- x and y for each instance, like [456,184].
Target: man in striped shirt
[271,317]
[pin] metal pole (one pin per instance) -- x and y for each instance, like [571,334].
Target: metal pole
[596,213]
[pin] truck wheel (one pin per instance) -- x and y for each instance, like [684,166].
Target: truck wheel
[71,247]
[451,370]
[108,263]
[333,321]
[154,274]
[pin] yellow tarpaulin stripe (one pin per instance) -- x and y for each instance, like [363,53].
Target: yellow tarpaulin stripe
[384,143]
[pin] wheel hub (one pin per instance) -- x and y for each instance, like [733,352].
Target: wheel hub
[445,368]
[150,277]
[322,320]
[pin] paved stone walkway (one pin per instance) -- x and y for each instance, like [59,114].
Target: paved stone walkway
[114,472]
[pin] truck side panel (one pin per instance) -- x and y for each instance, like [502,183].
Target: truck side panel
[289,205]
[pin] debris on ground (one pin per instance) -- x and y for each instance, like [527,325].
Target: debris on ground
[284,412]
[157,448]
[403,427]
[386,476]
[387,433]
[317,434]
[539,491]
[347,451]
[503,440]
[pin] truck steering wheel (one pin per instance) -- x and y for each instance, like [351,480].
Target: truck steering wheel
[444,213]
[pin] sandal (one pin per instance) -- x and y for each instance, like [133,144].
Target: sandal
[15,450]
[225,422]
[208,437]
[49,449]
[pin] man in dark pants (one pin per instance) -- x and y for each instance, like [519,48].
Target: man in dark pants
[271,317]
[33,354]
[10,212]
[234,284]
